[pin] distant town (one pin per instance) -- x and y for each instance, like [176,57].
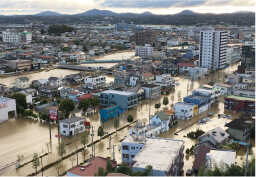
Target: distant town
[125,98]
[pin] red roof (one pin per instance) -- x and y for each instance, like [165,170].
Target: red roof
[85,96]
[92,168]
[186,64]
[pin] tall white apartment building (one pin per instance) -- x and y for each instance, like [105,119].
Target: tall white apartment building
[144,51]
[213,49]
[10,37]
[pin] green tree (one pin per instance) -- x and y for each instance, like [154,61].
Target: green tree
[36,162]
[84,105]
[43,116]
[84,141]
[157,106]
[130,118]
[94,102]
[100,131]
[66,106]
[125,169]
[165,101]
[100,172]
[109,168]
[21,103]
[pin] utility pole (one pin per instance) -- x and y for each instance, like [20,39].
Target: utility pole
[92,134]
[109,142]
[113,152]
[50,129]
[42,165]
[58,123]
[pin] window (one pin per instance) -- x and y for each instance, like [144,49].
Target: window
[133,148]
[126,156]
[65,126]
[125,147]
[72,126]
[132,156]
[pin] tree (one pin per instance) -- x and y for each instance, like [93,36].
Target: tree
[21,103]
[100,172]
[165,101]
[36,162]
[157,106]
[125,169]
[100,131]
[84,141]
[66,106]
[109,168]
[130,118]
[85,49]
[94,102]
[84,105]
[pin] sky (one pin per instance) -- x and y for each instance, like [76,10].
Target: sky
[18,7]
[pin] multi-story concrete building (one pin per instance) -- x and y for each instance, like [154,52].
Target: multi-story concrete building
[152,91]
[165,80]
[125,100]
[164,155]
[213,49]
[94,82]
[7,105]
[11,37]
[20,65]
[72,126]
[144,51]
[144,37]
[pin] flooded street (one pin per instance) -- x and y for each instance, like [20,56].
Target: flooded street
[27,137]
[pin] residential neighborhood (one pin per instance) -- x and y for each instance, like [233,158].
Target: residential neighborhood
[123,96]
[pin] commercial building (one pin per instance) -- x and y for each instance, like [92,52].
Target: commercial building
[125,100]
[239,104]
[72,126]
[213,49]
[7,107]
[144,51]
[248,59]
[164,155]
[26,37]
[152,91]
[20,65]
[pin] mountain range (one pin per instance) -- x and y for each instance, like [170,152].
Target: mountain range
[97,12]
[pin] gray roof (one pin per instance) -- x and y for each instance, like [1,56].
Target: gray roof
[72,120]
[218,134]
[162,115]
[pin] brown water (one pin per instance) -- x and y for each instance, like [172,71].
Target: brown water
[26,137]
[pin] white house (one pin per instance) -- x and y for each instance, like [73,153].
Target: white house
[220,159]
[185,111]
[96,82]
[7,105]
[215,137]
[152,91]
[161,119]
[164,80]
[72,126]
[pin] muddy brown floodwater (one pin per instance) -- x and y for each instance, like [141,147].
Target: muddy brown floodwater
[25,137]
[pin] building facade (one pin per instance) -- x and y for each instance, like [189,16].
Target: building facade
[7,105]
[144,51]
[213,49]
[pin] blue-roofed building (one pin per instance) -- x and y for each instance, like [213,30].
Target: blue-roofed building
[125,100]
[110,112]
[198,100]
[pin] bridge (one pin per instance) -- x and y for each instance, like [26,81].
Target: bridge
[79,68]
[103,61]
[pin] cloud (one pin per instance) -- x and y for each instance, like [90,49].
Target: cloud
[150,3]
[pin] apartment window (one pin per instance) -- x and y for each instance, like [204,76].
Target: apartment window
[125,147]
[133,148]
[126,156]
[65,126]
